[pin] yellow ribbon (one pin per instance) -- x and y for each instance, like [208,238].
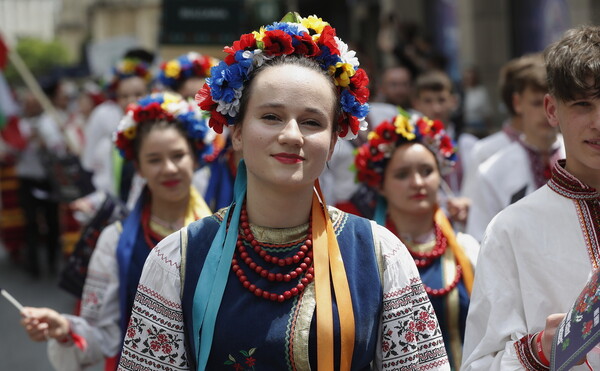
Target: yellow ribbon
[197,207]
[467,270]
[326,255]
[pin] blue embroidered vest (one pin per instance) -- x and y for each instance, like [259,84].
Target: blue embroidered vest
[254,332]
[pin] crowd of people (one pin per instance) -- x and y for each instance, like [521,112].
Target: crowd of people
[281,217]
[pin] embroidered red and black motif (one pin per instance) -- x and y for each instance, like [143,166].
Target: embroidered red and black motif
[587,203]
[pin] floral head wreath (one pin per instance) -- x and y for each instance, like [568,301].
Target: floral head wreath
[184,67]
[164,106]
[129,67]
[373,156]
[309,37]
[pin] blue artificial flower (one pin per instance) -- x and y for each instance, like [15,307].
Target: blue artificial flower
[327,59]
[353,106]
[289,28]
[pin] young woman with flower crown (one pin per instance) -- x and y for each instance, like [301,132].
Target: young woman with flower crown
[165,136]
[186,75]
[280,281]
[404,160]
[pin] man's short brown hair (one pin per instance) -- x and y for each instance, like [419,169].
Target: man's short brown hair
[433,81]
[518,74]
[573,64]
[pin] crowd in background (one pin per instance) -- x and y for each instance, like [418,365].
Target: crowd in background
[492,166]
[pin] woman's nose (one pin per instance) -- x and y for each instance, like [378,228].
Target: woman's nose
[291,133]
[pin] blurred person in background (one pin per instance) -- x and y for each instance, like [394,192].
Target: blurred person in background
[404,160]
[476,106]
[43,134]
[512,127]
[166,138]
[524,165]
[130,81]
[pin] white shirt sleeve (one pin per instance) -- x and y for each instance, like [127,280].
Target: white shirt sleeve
[100,312]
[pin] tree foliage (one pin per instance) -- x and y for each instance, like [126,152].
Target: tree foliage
[40,56]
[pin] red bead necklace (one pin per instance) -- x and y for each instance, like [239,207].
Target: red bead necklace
[303,259]
[425,259]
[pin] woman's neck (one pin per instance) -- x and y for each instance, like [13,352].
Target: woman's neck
[411,226]
[278,209]
[169,211]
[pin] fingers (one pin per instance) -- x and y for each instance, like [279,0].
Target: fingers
[43,323]
[552,322]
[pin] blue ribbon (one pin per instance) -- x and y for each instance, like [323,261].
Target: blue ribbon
[125,249]
[380,210]
[213,278]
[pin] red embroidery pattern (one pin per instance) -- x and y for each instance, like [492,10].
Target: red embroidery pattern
[246,363]
[587,204]
[411,335]
[525,354]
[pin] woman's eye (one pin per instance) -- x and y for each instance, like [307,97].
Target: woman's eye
[582,103]
[270,117]
[312,123]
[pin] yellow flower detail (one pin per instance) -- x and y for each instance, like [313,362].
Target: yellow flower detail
[342,73]
[130,132]
[168,99]
[258,35]
[128,66]
[372,135]
[404,127]
[172,69]
[314,23]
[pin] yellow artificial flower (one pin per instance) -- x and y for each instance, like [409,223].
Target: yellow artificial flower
[130,132]
[372,135]
[404,127]
[168,99]
[314,23]
[128,66]
[342,73]
[258,35]
[172,69]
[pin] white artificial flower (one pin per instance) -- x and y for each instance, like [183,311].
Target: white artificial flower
[347,56]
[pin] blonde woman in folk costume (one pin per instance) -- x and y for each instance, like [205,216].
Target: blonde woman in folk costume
[279,281]
[404,160]
[165,137]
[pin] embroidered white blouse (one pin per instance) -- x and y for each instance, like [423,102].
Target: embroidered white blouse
[158,303]
[533,262]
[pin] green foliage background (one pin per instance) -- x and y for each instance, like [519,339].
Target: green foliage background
[40,56]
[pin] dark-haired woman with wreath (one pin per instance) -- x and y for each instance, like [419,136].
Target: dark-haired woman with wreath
[404,160]
[166,138]
[279,280]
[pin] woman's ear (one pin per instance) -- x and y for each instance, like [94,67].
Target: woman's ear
[236,137]
[334,139]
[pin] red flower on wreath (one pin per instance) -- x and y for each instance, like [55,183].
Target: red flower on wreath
[327,39]
[358,86]
[277,42]
[304,45]
[250,361]
[246,42]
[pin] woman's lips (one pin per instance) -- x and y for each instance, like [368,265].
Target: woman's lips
[288,158]
[171,183]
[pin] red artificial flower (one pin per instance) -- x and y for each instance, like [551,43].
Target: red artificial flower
[277,42]
[343,125]
[446,147]
[204,99]
[437,126]
[246,42]
[353,123]
[217,122]
[150,112]
[327,39]
[358,86]
[306,45]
